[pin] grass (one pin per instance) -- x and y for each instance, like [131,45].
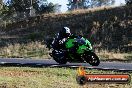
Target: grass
[107,27]
[25,77]
[112,56]
[37,50]
[29,50]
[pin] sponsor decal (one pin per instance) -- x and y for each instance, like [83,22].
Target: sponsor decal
[83,77]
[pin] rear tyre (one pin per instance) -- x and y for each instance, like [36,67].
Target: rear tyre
[59,57]
[92,59]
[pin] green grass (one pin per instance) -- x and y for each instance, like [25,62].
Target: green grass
[25,77]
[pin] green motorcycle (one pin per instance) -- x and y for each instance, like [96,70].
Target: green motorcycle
[77,49]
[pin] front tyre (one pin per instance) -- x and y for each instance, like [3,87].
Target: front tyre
[92,59]
[59,56]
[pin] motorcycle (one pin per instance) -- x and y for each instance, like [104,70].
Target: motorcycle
[77,49]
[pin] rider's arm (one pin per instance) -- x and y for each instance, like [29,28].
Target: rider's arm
[90,46]
[73,36]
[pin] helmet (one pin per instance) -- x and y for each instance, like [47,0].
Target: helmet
[66,31]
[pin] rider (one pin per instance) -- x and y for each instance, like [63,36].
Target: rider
[61,38]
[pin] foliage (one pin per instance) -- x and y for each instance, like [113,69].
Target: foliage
[49,7]
[23,7]
[1,4]
[128,2]
[84,4]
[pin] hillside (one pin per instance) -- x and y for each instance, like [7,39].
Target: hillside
[108,29]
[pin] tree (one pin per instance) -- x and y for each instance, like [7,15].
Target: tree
[128,2]
[46,8]
[25,6]
[84,4]
[1,4]
[75,4]
[105,2]
[57,8]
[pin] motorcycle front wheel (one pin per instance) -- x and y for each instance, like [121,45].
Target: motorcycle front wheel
[92,58]
[59,56]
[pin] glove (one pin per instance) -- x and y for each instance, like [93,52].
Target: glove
[62,41]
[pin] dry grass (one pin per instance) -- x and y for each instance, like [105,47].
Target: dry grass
[112,56]
[108,27]
[25,77]
[37,50]
[95,9]
[29,50]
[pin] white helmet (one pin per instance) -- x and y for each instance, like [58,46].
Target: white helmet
[67,30]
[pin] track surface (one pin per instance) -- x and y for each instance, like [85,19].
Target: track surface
[42,63]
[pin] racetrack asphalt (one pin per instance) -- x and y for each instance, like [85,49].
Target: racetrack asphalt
[119,66]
